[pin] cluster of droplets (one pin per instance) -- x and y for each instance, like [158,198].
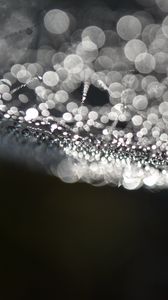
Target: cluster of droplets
[129,63]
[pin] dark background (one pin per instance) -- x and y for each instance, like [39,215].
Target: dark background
[62,241]
[78,241]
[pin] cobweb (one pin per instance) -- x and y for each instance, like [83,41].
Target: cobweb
[90,101]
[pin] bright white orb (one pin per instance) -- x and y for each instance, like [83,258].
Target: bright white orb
[56,21]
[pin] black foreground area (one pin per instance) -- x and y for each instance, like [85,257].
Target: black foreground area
[80,242]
